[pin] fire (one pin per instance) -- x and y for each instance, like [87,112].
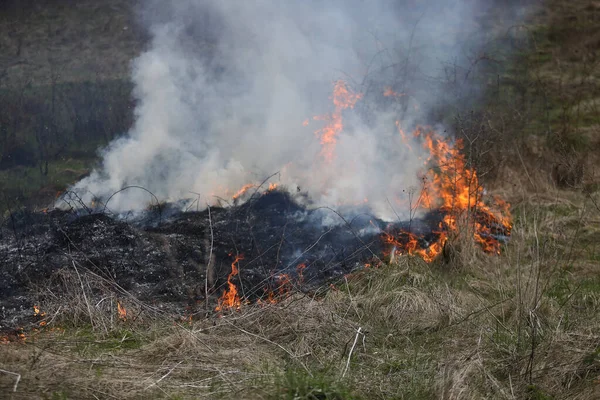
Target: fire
[389,92]
[408,243]
[230,298]
[453,188]
[248,186]
[122,312]
[243,190]
[461,196]
[300,272]
[343,98]
[39,314]
[403,135]
[284,284]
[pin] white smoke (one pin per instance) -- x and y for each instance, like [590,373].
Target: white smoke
[225,85]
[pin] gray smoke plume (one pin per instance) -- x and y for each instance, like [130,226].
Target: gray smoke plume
[225,87]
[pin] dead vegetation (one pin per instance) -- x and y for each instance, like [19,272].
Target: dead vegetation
[520,325]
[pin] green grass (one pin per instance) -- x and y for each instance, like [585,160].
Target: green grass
[298,384]
[88,343]
[29,186]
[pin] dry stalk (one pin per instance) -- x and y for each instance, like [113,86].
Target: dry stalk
[288,352]
[358,333]
[16,375]
[165,375]
[87,303]
[210,259]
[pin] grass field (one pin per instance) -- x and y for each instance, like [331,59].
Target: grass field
[520,325]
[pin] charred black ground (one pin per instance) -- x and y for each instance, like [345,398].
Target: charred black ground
[162,256]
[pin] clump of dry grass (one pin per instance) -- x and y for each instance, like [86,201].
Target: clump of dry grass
[76,296]
[494,328]
[519,325]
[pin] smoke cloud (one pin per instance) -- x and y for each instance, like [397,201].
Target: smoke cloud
[225,87]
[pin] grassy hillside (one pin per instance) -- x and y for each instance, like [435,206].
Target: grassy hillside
[521,325]
[555,85]
[64,91]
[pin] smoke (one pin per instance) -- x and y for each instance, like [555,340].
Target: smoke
[225,87]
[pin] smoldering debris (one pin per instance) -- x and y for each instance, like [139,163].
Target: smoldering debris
[166,263]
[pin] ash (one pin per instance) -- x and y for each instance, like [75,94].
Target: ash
[161,256]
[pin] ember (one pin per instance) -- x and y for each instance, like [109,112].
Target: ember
[122,312]
[300,272]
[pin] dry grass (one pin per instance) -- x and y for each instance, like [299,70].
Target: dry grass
[520,325]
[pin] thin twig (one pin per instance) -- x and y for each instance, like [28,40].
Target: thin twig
[358,332]
[17,378]
[87,303]
[273,343]
[165,375]
[210,254]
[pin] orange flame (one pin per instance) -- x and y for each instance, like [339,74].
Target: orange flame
[39,314]
[230,298]
[389,92]
[284,284]
[122,312]
[452,187]
[272,186]
[243,190]
[403,135]
[343,98]
[283,287]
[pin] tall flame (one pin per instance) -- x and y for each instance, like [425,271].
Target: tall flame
[230,298]
[453,188]
[343,98]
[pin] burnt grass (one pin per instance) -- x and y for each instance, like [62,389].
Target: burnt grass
[161,256]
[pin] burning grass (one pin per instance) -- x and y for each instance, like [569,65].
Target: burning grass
[449,318]
[518,325]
